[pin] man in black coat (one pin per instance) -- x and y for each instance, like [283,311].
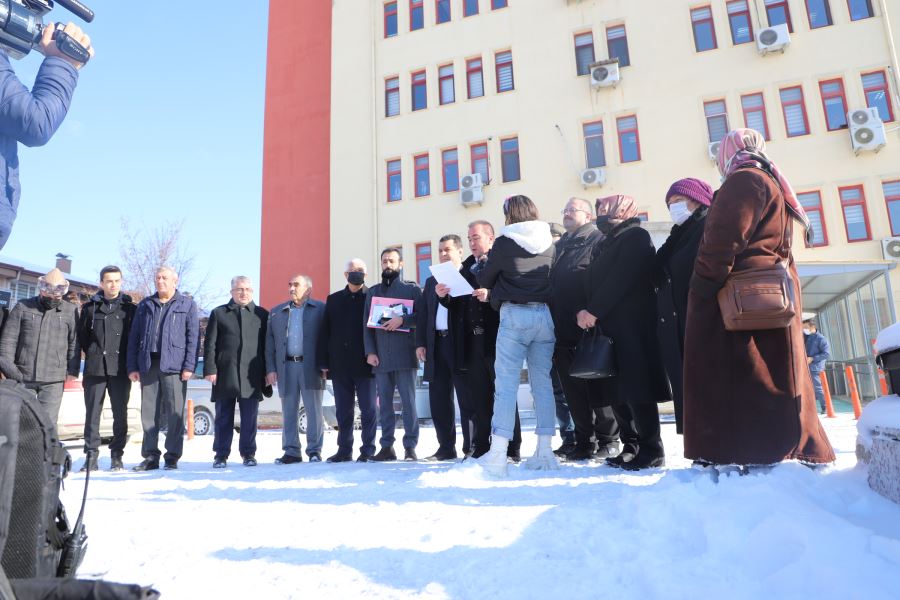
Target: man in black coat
[103,330]
[235,362]
[596,431]
[343,357]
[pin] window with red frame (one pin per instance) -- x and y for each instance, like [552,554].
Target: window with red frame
[423,175]
[593,145]
[495,4]
[479,154]
[834,103]
[794,109]
[856,218]
[504,67]
[446,84]
[392,97]
[704,29]
[419,91]
[891,191]
[441,11]
[423,262]
[739,21]
[877,95]
[474,78]
[617,44]
[754,107]
[450,169]
[394,181]
[819,13]
[629,140]
[584,52]
[812,204]
[716,120]
[416,14]
[470,7]
[390,19]
[509,159]
[860,9]
[778,13]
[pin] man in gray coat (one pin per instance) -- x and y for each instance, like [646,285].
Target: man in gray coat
[37,347]
[392,353]
[291,340]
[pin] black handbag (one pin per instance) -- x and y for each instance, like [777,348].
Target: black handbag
[595,357]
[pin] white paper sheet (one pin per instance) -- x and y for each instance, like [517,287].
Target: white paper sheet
[448,274]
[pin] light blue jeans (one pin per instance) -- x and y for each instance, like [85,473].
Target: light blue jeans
[526,335]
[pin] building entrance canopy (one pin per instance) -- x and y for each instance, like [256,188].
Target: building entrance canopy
[823,283]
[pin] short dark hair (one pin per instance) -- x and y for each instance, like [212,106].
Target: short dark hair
[452,237]
[519,209]
[109,269]
[486,224]
[391,249]
[811,321]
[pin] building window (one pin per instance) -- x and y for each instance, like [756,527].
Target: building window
[856,219]
[739,21]
[423,262]
[778,13]
[445,83]
[877,96]
[812,204]
[504,66]
[754,107]
[643,217]
[629,141]
[860,9]
[450,169]
[416,14]
[474,78]
[819,13]
[390,19]
[834,103]
[442,11]
[392,97]
[593,145]
[470,7]
[509,159]
[495,4]
[794,109]
[479,153]
[419,91]
[423,178]
[892,198]
[704,30]
[394,181]
[584,52]
[716,120]
[617,44]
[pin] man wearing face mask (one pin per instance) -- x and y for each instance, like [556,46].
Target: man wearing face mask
[343,359]
[392,354]
[688,201]
[818,350]
[38,343]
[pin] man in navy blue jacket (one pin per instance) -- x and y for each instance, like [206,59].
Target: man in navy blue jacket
[818,350]
[162,355]
[32,117]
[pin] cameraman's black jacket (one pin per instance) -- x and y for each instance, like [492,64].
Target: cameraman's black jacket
[103,334]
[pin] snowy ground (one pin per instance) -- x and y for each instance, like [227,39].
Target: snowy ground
[424,530]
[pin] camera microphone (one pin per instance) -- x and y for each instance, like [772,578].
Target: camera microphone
[78,9]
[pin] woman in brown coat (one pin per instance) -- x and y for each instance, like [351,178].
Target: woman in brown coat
[748,398]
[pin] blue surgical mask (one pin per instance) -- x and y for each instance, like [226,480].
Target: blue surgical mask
[680,212]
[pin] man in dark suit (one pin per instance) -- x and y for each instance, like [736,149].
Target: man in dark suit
[234,361]
[443,370]
[291,349]
[343,358]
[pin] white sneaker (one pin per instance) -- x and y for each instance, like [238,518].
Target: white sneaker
[494,461]
[543,459]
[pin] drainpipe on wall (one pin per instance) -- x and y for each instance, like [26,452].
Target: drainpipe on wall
[892,50]
[375,161]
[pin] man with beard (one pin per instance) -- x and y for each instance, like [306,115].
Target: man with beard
[392,354]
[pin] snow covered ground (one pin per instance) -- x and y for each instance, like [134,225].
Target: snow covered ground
[434,531]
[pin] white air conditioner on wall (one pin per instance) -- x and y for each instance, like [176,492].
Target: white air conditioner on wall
[866,130]
[605,73]
[773,39]
[713,151]
[594,177]
[470,189]
[890,248]
[472,180]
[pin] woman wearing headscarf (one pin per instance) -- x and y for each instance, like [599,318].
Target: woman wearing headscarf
[748,398]
[688,202]
[620,301]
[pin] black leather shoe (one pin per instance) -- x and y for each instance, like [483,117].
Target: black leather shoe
[115,463]
[90,463]
[410,454]
[220,463]
[514,456]
[385,454]
[442,455]
[364,458]
[580,453]
[288,459]
[339,457]
[607,450]
[627,454]
[148,464]
[171,465]
[566,448]
[249,461]
[640,462]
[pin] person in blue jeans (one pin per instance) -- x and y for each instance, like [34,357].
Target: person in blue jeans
[818,350]
[515,279]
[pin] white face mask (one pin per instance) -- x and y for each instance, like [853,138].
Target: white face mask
[680,212]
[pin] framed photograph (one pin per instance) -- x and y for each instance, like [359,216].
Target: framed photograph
[385,309]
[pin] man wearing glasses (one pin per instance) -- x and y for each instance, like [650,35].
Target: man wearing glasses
[37,346]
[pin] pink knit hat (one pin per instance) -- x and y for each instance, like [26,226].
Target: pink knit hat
[695,189]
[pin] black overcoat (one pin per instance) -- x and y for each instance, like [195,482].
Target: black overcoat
[567,290]
[341,348]
[235,351]
[103,330]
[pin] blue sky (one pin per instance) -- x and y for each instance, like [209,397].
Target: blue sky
[166,124]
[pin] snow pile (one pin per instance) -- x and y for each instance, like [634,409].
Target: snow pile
[888,339]
[881,414]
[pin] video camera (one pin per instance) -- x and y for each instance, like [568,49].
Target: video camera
[21,27]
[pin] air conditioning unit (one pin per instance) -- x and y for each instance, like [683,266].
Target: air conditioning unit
[593,177]
[713,150]
[605,73]
[473,180]
[470,192]
[890,248]
[866,130]
[773,39]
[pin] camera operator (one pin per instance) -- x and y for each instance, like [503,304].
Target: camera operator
[32,117]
